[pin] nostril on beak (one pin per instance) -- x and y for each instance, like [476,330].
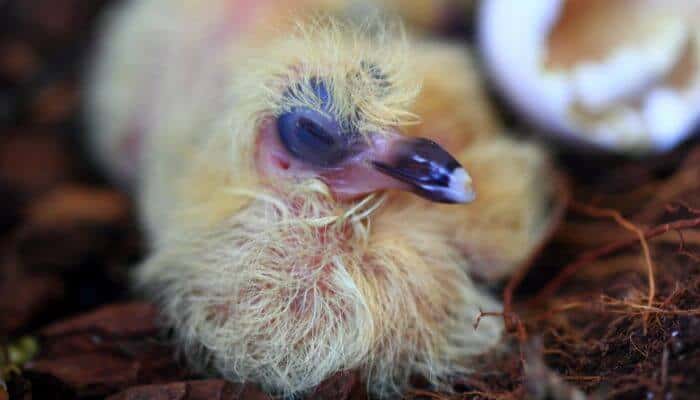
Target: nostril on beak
[429,170]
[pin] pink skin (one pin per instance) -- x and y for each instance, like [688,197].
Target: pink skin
[354,178]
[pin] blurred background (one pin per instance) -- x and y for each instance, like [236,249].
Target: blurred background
[612,88]
[43,48]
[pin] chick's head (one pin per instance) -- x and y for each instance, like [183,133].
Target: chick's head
[319,259]
[330,106]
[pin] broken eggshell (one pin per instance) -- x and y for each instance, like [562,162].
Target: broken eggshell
[621,75]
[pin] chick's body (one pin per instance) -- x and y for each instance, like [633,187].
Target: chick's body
[275,280]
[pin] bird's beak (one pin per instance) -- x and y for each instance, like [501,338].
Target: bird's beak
[424,168]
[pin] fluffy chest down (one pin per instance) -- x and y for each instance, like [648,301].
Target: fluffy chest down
[286,297]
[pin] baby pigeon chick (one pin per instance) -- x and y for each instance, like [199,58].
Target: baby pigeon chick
[294,213]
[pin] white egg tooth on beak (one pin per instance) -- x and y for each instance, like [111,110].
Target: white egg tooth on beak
[627,79]
[460,188]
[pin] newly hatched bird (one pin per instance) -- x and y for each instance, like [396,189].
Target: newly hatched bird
[292,201]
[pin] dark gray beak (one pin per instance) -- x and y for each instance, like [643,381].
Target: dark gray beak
[429,170]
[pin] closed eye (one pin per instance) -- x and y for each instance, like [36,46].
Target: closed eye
[313,137]
[308,126]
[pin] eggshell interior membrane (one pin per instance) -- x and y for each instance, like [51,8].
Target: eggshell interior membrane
[622,75]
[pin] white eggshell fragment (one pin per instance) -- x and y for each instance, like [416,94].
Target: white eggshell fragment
[622,75]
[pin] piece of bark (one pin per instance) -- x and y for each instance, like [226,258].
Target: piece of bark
[214,389]
[73,227]
[128,328]
[103,352]
[70,204]
[251,392]
[77,343]
[170,391]
[33,161]
[211,389]
[12,208]
[24,296]
[18,60]
[57,21]
[55,103]
[65,249]
[91,374]
[339,386]
[117,320]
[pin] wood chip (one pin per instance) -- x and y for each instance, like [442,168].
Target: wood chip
[117,320]
[340,386]
[70,204]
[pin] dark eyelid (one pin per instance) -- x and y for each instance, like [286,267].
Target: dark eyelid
[316,136]
[315,130]
[313,137]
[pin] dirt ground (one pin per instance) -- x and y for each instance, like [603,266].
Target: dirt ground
[609,309]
